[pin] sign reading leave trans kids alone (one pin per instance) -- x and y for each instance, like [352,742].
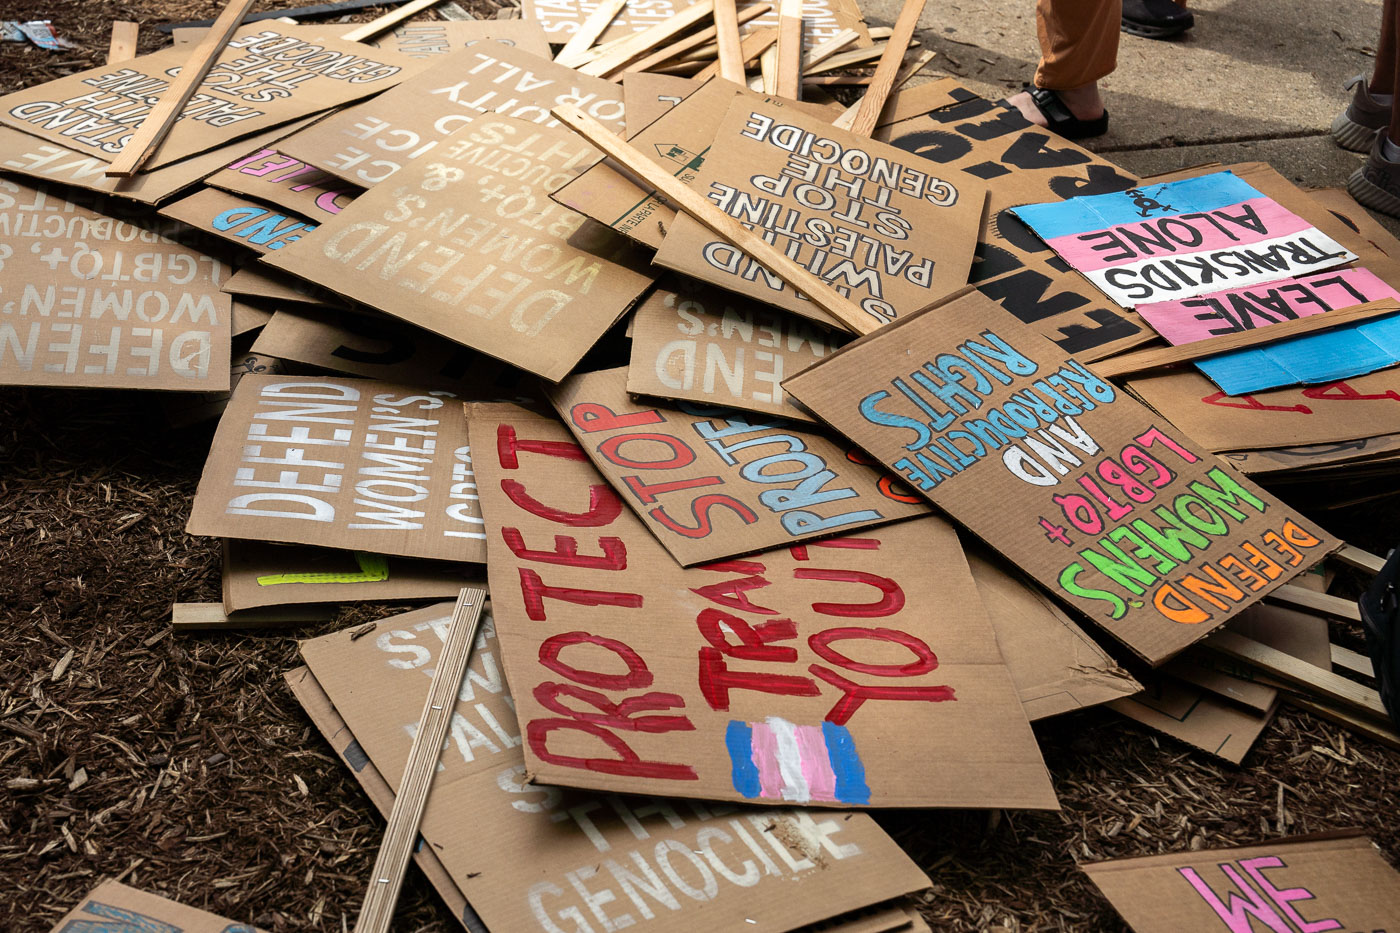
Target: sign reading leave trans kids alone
[1105,503]
[1182,238]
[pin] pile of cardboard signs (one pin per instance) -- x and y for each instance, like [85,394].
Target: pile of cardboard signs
[776,419]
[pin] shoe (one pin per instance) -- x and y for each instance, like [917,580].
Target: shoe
[1155,19]
[1356,127]
[1059,119]
[1376,184]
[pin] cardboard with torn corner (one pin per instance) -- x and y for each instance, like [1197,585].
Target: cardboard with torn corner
[114,906]
[697,864]
[370,142]
[263,78]
[1108,506]
[1328,881]
[864,217]
[696,343]
[853,671]
[258,574]
[91,301]
[711,483]
[470,247]
[343,463]
[1197,716]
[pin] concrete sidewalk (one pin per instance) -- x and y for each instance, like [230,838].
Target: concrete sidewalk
[1254,80]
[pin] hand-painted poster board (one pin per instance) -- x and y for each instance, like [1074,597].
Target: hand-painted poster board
[116,907]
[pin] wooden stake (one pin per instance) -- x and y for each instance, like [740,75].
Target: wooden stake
[753,46]
[1143,360]
[788,63]
[911,68]
[387,21]
[677,49]
[731,61]
[768,68]
[890,62]
[824,50]
[638,44]
[847,59]
[156,125]
[1313,601]
[1354,661]
[822,295]
[123,47]
[401,834]
[589,31]
[1314,681]
[1353,556]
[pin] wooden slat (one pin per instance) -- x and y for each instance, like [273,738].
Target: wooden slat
[388,21]
[1353,661]
[768,68]
[638,44]
[754,45]
[890,62]
[1372,730]
[677,49]
[787,64]
[824,50]
[123,45]
[847,118]
[842,311]
[1328,687]
[589,31]
[153,129]
[1143,360]
[847,59]
[411,797]
[1353,556]
[731,60]
[1317,602]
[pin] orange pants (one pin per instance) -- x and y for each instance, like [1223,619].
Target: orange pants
[1078,41]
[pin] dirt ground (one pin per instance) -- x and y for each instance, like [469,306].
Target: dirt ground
[183,765]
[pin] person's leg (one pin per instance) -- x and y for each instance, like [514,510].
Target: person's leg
[1371,105]
[1377,183]
[1078,46]
[1383,74]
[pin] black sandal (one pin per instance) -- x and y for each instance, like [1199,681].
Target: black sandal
[1059,118]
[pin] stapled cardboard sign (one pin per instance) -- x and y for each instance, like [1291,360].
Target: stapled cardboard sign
[1108,506]
[91,301]
[1338,412]
[711,483]
[344,463]
[855,671]
[258,574]
[863,216]
[470,247]
[1333,881]
[263,78]
[1056,667]
[114,906]
[701,344]
[289,183]
[240,220]
[369,142]
[1196,716]
[822,19]
[699,865]
[648,96]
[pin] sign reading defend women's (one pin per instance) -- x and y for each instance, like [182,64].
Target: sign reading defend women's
[1105,503]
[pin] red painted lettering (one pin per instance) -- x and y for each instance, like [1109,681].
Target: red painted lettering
[508,448]
[614,556]
[891,595]
[535,592]
[627,763]
[589,417]
[603,505]
[700,511]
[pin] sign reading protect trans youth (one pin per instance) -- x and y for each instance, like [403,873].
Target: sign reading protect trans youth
[1105,503]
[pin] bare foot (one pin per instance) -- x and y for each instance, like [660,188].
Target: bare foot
[1084,102]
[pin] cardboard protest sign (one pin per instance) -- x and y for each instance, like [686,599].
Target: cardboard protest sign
[822,19]
[28,155]
[257,281]
[92,301]
[679,140]
[471,248]
[1197,717]
[1102,502]
[1180,239]
[430,38]
[114,906]
[258,574]
[342,463]
[1056,667]
[289,183]
[186,408]
[379,347]
[263,78]
[1297,416]
[701,344]
[248,317]
[712,482]
[648,96]
[239,220]
[859,214]
[698,865]
[369,142]
[742,706]
[1336,881]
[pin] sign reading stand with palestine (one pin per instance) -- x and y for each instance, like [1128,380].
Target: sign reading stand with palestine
[870,220]
[1106,504]
[854,671]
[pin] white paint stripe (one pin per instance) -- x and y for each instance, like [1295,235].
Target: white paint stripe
[789,760]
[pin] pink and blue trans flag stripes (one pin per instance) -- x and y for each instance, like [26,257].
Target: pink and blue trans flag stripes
[779,760]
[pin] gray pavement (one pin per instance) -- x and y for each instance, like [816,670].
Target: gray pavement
[1255,79]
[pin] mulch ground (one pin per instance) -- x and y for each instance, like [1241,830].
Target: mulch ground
[183,765]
